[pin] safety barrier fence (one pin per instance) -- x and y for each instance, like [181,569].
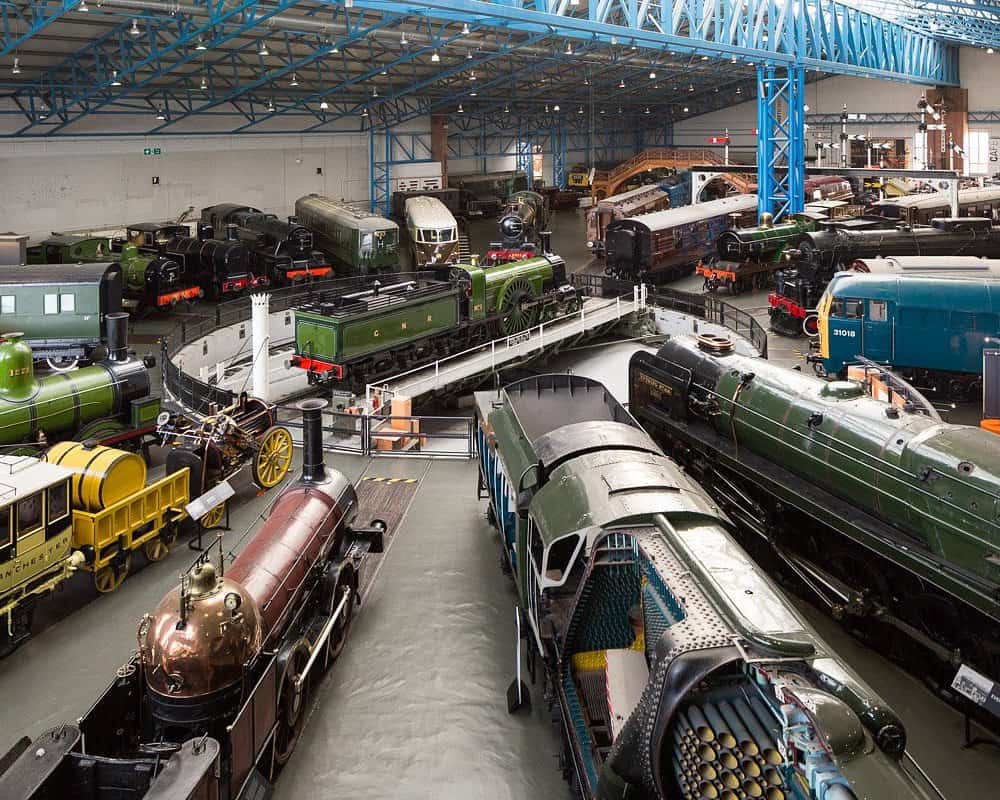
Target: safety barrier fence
[703,306]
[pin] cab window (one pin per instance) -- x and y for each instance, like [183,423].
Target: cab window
[877,310]
[29,514]
[447,235]
[59,501]
[847,309]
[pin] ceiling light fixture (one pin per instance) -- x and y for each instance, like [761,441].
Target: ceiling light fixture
[506,109]
[685,109]
[435,57]
[262,49]
[403,40]
[621,84]
[270,106]
[364,112]
[374,91]
[739,90]
[579,110]
[989,51]
[465,29]
[460,109]
[652,75]
[200,45]
[115,80]
[690,87]
[614,40]
[16,69]
[294,81]
[704,58]
[468,55]
[473,94]
[348,3]
[555,107]
[335,49]
[160,115]
[43,112]
[646,111]
[324,106]
[472,75]
[603,111]
[82,8]
[204,84]
[134,30]
[569,48]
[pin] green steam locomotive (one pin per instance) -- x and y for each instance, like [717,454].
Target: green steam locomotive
[92,402]
[889,516]
[362,331]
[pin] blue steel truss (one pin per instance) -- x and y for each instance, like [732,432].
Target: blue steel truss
[780,140]
[558,148]
[524,156]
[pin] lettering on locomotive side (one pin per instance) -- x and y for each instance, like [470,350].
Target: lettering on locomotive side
[658,388]
[40,559]
[848,334]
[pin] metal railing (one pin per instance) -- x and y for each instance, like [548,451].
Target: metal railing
[703,306]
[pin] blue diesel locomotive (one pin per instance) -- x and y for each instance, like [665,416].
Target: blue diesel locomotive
[932,330]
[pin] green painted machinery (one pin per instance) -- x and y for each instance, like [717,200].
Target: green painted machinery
[89,402]
[670,657]
[890,515]
[764,242]
[71,250]
[361,241]
[366,330]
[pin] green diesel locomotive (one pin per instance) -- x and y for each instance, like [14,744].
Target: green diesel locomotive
[889,516]
[364,331]
[363,242]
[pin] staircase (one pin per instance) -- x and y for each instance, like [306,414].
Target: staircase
[464,249]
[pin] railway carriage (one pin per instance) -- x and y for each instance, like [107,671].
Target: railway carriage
[643,200]
[676,669]
[363,242]
[884,515]
[667,244]
[921,209]
[433,232]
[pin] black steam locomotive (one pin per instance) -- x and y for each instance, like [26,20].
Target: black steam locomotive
[820,254]
[525,215]
[280,250]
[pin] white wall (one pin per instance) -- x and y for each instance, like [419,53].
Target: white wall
[67,184]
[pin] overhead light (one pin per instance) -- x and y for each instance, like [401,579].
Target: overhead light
[200,45]
[614,40]
[603,111]
[574,2]
[335,49]
[579,110]
[555,107]
[465,29]
[82,8]
[989,51]
[364,112]
[403,40]
[204,83]
[685,109]
[115,80]
[348,3]
[569,48]
[704,58]
[16,69]
[652,75]
[262,48]
[506,109]
[473,94]
[646,111]
[385,70]
[374,91]
[690,87]
[619,109]
[586,81]
[160,115]
[436,57]
[546,108]
[323,105]
[43,113]
[732,60]
[460,109]
[739,90]
[468,55]
[295,80]
[635,47]
[805,108]
[621,84]
[472,75]
[134,30]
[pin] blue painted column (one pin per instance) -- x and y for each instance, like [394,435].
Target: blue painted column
[558,139]
[781,168]
[524,161]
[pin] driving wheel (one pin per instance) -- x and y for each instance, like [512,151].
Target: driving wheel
[292,696]
[273,459]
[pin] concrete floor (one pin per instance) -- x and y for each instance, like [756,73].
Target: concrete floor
[415,709]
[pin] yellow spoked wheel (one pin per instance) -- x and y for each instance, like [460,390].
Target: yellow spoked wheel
[274,457]
[110,577]
[157,548]
[213,517]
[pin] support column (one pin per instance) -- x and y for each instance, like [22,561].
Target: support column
[524,154]
[558,139]
[780,140]
[439,144]
[260,319]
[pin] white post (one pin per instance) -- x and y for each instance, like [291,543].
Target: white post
[261,342]
[953,197]
[220,372]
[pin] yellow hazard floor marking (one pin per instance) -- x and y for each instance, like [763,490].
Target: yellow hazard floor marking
[389,480]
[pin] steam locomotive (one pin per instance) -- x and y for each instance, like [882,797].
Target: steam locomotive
[914,564]
[525,215]
[821,253]
[676,668]
[212,704]
[281,251]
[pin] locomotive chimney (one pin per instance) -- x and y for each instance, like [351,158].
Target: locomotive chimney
[313,470]
[116,331]
[546,237]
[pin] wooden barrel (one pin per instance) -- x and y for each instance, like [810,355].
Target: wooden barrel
[102,475]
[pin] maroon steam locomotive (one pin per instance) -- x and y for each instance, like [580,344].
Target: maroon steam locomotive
[212,704]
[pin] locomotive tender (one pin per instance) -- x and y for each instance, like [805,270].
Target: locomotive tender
[212,704]
[678,670]
[282,251]
[366,332]
[887,515]
[665,245]
[364,242]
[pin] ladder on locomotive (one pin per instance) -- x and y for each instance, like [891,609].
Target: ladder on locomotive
[464,248]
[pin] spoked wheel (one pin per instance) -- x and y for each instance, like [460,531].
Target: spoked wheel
[99,429]
[110,577]
[274,457]
[338,636]
[62,364]
[292,696]
[512,302]
[157,548]
[213,517]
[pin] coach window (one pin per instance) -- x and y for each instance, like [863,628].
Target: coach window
[29,515]
[876,310]
[7,304]
[67,302]
[51,304]
[58,501]
[5,539]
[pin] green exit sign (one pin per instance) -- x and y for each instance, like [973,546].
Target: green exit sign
[151,151]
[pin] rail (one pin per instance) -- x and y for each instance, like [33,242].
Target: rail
[703,306]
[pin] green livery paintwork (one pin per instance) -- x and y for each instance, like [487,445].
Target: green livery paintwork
[71,250]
